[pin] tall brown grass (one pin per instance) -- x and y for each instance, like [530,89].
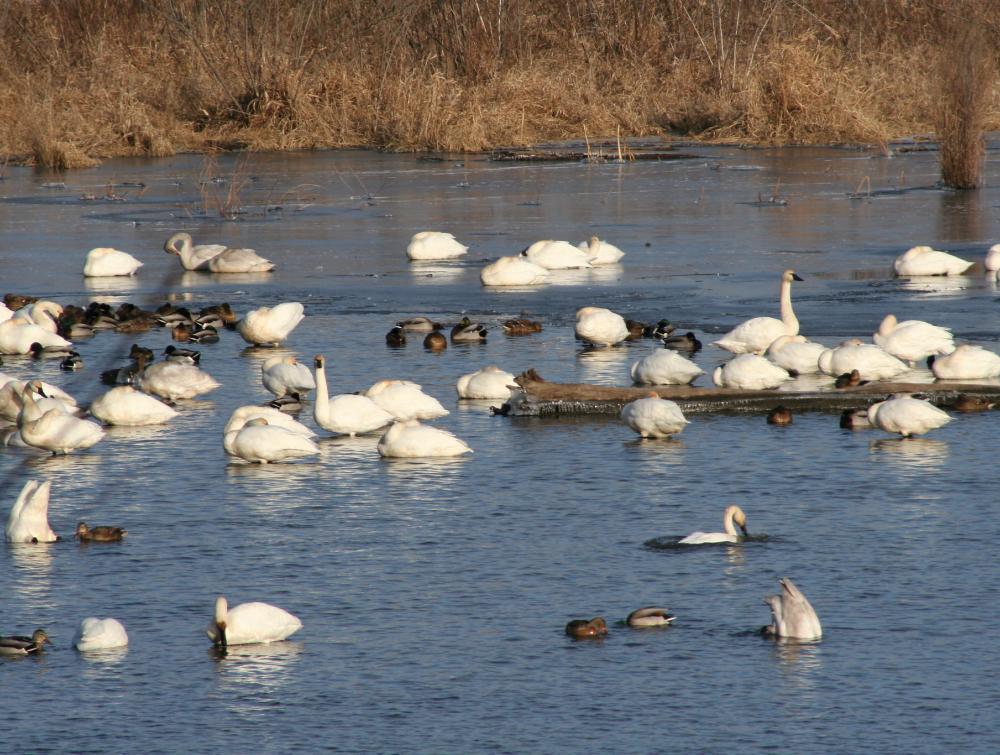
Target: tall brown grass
[85,79]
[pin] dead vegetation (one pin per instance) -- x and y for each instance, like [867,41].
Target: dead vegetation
[92,78]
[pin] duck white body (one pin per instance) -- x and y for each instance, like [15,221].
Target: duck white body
[60,433]
[906,415]
[654,417]
[792,616]
[489,382]
[795,353]
[28,521]
[104,261]
[749,372]
[732,516]
[250,623]
[992,261]
[270,325]
[873,362]
[348,413]
[275,417]
[912,340]
[600,252]
[261,443]
[283,375]
[131,408]
[404,400]
[434,245]
[600,327]
[513,271]
[922,260]
[664,367]
[173,380]
[17,335]
[411,440]
[556,255]
[967,362]
[100,634]
[755,335]
[192,257]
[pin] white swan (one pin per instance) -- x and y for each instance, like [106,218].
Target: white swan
[733,515]
[34,403]
[28,521]
[17,335]
[755,335]
[100,634]
[128,407]
[795,354]
[60,433]
[922,260]
[966,362]
[12,397]
[600,327]
[250,623]
[192,257]
[5,312]
[43,313]
[104,261]
[411,440]
[173,380]
[404,400]
[913,340]
[556,255]
[906,415]
[664,367]
[749,372]
[600,252]
[216,258]
[261,443]
[871,361]
[792,616]
[270,325]
[489,382]
[347,413]
[275,417]
[434,245]
[283,375]
[513,271]
[654,417]
[992,261]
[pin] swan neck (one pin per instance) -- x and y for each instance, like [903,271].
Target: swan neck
[727,523]
[321,404]
[787,314]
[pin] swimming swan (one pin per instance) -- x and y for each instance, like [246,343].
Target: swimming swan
[173,380]
[654,417]
[795,354]
[60,433]
[250,623]
[664,367]
[128,407]
[100,634]
[104,261]
[17,336]
[283,375]
[434,245]
[513,271]
[906,415]
[600,252]
[966,362]
[556,255]
[404,400]
[913,340]
[922,260]
[28,521]
[347,413]
[732,514]
[275,417]
[755,335]
[749,372]
[261,443]
[792,616]
[411,440]
[216,258]
[872,362]
[600,327]
[270,325]
[487,383]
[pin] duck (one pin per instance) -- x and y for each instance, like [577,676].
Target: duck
[73,361]
[101,534]
[992,261]
[467,331]
[38,351]
[755,335]
[250,623]
[872,362]
[796,354]
[556,255]
[244,414]
[217,316]
[183,356]
[587,629]
[488,383]
[521,327]
[600,327]
[780,415]
[404,400]
[419,325]
[411,440]
[650,616]
[749,372]
[664,367]
[270,325]
[129,374]
[907,415]
[283,375]
[849,380]
[396,336]
[17,301]
[174,381]
[434,245]
[435,341]
[60,433]
[600,252]
[262,443]
[100,634]
[733,515]
[792,616]
[855,419]
[654,417]
[967,404]
[216,258]
[19,645]
[922,260]
[346,413]
[126,407]
[28,521]
[913,340]
[683,342]
[637,329]
[107,262]
[17,336]
[513,271]
[186,332]
[966,362]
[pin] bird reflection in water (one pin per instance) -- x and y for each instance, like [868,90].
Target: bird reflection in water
[603,366]
[913,453]
[800,661]
[263,668]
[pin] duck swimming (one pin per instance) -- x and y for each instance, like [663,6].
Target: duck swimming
[521,327]
[102,534]
[396,336]
[587,629]
[19,645]
[780,415]
[683,342]
[467,331]
[435,342]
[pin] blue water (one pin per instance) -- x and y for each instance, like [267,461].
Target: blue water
[434,593]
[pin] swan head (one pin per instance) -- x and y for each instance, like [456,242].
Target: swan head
[584,629]
[735,514]
[436,341]
[790,275]
[180,238]
[221,615]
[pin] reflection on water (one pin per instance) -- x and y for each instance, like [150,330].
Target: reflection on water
[137,433]
[82,468]
[914,453]
[604,366]
[800,661]
[655,452]
[112,285]
[201,279]
[33,562]
[259,668]
[437,273]
[422,479]
[100,660]
[935,286]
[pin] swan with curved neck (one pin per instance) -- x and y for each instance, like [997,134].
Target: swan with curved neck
[347,413]
[250,623]
[732,516]
[755,335]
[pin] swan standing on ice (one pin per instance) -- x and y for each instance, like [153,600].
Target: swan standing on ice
[100,634]
[755,335]
[556,255]
[906,415]
[600,327]
[654,417]
[216,258]
[513,271]
[250,623]
[404,400]
[434,245]
[792,616]
[173,380]
[269,326]
[347,413]
[600,252]
[913,340]
[966,362]
[795,354]
[106,262]
[261,443]
[411,440]
[128,407]
[872,362]
[732,514]
[664,367]
[922,260]
[285,376]
[749,372]
[28,521]
[487,383]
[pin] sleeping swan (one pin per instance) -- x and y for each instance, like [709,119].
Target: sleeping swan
[654,417]
[104,261]
[269,326]
[261,443]
[434,245]
[100,634]
[412,440]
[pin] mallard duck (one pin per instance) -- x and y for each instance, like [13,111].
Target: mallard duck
[467,331]
[779,415]
[650,616]
[685,342]
[38,351]
[521,327]
[396,336]
[72,362]
[636,329]
[20,645]
[184,356]
[16,301]
[217,315]
[102,534]
[849,380]
[855,419]
[435,342]
[586,629]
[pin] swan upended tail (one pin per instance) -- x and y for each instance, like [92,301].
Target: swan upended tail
[792,616]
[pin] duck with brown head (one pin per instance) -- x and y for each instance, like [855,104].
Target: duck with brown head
[101,534]
[20,645]
[587,629]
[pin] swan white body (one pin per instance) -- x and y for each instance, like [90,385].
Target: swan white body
[992,261]
[434,245]
[192,257]
[5,312]
[664,367]
[749,372]
[922,260]
[489,382]
[261,443]
[270,325]
[17,335]
[654,417]
[100,634]
[513,271]
[755,335]
[126,406]
[556,255]
[792,616]
[348,413]
[912,340]
[732,516]
[600,252]
[28,521]
[404,400]
[411,440]
[600,327]
[907,416]
[236,260]
[967,362]
[104,261]
[284,375]
[60,433]
[43,313]
[795,353]
[275,417]
[250,623]
[873,362]
[173,380]
[13,397]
